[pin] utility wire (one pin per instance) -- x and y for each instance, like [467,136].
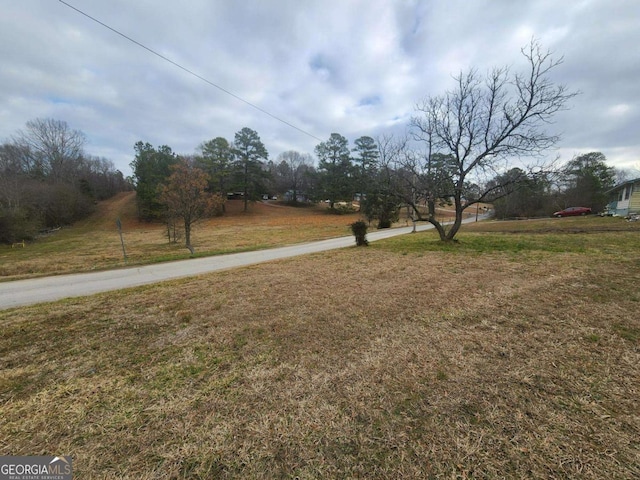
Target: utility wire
[190,72]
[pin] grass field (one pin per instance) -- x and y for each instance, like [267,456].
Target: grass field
[514,353]
[94,244]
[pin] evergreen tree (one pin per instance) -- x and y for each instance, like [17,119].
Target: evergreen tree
[335,170]
[151,167]
[250,155]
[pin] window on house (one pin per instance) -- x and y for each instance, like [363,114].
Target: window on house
[627,192]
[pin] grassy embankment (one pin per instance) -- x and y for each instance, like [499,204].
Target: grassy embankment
[512,354]
[94,244]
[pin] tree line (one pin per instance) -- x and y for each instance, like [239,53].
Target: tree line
[583,181]
[240,169]
[484,141]
[383,175]
[48,180]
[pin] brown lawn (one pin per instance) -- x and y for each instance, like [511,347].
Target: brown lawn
[506,356]
[94,244]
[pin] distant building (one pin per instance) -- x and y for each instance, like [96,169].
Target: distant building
[301,197]
[624,199]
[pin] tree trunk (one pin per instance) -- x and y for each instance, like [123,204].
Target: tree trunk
[431,205]
[457,222]
[187,236]
[246,184]
[454,228]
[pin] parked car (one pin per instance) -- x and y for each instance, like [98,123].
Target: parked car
[571,211]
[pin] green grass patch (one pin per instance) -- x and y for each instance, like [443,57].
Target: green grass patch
[627,332]
[613,243]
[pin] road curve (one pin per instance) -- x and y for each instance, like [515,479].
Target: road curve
[45,289]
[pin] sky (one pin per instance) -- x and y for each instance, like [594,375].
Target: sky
[322,66]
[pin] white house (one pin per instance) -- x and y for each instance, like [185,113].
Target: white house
[624,199]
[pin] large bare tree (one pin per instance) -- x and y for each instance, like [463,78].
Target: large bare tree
[292,168]
[478,130]
[55,149]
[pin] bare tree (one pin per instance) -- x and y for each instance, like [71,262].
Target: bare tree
[186,198]
[292,167]
[12,176]
[55,149]
[476,131]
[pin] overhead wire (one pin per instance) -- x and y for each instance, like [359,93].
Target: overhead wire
[190,72]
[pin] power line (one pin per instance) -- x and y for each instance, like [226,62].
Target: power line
[190,72]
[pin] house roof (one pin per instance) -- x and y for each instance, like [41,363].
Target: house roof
[623,184]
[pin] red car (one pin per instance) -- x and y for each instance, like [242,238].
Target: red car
[571,211]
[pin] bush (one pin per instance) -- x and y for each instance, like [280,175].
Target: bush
[383,208]
[16,226]
[384,223]
[359,230]
[63,204]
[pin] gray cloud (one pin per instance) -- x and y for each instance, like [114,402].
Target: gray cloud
[356,67]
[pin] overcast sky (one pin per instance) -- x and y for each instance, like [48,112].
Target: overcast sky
[347,66]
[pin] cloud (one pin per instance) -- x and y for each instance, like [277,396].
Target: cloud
[357,67]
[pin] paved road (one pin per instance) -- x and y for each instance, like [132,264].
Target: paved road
[45,289]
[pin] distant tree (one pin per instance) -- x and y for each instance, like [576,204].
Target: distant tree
[53,149]
[52,153]
[62,204]
[217,159]
[250,155]
[379,204]
[185,196]
[98,179]
[625,174]
[586,178]
[521,195]
[13,176]
[423,181]
[365,161]
[19,219]
[335,170]
[372,180]
[393,182]
[47,180]
[478,129]
[151,167]
[291,171]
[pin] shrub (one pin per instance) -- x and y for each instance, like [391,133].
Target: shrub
[359,230]
[384,223]
[17,225]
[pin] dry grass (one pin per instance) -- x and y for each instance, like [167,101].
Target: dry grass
[95,244]
[401,360]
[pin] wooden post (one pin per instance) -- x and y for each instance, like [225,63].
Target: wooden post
[124,252]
